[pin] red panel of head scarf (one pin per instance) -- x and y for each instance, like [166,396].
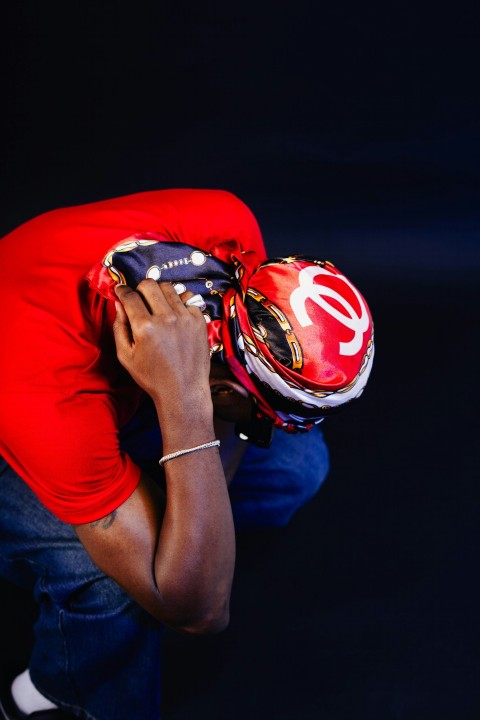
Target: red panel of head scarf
[303,335]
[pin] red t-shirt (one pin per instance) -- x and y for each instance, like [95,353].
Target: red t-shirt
[63,394]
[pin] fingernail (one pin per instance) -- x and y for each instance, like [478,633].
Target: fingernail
[117,305]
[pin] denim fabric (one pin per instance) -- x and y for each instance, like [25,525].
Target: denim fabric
[96,652]
[271,485]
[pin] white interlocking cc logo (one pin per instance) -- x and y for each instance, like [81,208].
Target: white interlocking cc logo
[316,292]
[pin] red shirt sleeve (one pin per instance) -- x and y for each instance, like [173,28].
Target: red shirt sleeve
[63,394]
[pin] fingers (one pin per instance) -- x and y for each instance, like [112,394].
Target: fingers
[192,309]
[185,296]
[151,298]
[170,295]
[121,330]
[133,303]
[158,299]
[177,301]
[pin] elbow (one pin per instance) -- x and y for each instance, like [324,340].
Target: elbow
[195,608]
[208,625]
[210,622]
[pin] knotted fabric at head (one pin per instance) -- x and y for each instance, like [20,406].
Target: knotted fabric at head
[294,331]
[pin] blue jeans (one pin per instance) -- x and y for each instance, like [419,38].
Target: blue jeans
[96,652]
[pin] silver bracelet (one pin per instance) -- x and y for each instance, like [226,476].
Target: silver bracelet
[170,456]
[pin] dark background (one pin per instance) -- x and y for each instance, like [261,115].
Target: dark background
[353,133]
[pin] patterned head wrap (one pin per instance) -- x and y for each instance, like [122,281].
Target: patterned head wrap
[294,331]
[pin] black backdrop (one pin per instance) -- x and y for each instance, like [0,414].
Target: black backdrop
[352,133]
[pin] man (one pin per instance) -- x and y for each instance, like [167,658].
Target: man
[213,343]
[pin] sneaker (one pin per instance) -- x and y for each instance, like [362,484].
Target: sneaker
[10,711]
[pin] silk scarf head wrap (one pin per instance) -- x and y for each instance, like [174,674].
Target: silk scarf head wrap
[294,331]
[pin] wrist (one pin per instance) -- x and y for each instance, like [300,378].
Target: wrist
[186,422]
[188,451]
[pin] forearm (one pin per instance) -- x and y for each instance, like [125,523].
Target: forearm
[176,558]
[195,555]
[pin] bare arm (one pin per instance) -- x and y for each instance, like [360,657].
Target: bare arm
[175,556]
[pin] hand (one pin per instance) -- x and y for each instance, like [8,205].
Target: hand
[163,344]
